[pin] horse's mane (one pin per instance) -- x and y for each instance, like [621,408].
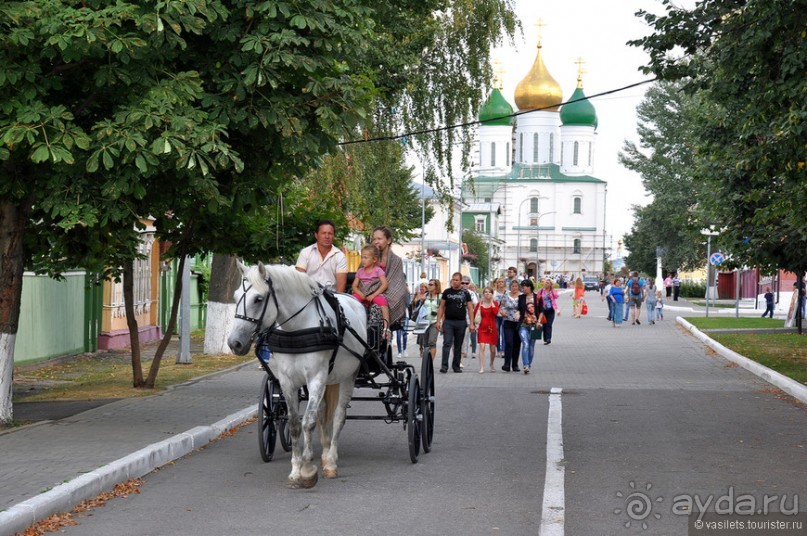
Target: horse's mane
[287,278]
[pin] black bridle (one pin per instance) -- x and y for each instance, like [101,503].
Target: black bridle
[242,304]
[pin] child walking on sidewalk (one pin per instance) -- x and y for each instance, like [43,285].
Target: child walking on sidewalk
[659,306]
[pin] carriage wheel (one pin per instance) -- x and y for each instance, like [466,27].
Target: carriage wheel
[413,418]
[427,394]
[266,418]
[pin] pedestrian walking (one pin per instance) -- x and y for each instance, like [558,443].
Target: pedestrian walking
[578,297]
[605,293]
[549,307]
[650,300]
[528,309]
[455,308]
[508,310]
[676,283]
[617,297]
[428,311]
[668,284]
[486,314]
[635,288]
[499,290]
[659,306]
[469,342]
[768,302]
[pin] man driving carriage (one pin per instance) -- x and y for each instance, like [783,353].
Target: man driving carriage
[324,262]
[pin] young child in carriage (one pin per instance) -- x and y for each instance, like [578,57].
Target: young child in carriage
[370,283]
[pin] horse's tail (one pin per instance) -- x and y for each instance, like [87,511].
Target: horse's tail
[330,400]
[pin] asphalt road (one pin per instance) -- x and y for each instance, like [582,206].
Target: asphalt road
[650,420]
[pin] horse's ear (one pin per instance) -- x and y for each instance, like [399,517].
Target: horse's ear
[242,267]
[262,271]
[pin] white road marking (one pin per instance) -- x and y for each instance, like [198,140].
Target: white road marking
[553,512]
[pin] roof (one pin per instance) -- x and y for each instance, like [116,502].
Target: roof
[524,174]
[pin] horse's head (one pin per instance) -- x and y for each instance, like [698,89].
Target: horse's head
[255,307]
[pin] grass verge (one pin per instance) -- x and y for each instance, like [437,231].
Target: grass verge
[98,376]
[786,353]
[701,322]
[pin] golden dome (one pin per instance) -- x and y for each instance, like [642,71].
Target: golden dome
[538,89]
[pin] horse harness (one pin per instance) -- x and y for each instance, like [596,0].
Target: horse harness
[325,337]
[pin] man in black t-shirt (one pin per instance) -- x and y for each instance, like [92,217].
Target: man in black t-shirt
[455,306]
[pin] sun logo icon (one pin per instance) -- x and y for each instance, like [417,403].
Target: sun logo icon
[638,505]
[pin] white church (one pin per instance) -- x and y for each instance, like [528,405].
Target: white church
[531,192]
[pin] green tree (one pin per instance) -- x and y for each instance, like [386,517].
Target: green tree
[749,132]
[477,251]
[666,162]
[113,111]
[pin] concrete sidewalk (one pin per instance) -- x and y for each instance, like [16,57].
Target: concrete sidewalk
[50,466]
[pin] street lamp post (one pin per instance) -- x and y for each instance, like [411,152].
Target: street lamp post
[709,234]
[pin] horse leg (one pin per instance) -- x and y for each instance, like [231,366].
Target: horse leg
[295,429]
[309,471]
[337,411]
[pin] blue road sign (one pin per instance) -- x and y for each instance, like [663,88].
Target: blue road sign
[716,258]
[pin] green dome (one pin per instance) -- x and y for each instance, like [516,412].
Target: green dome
[496,110]
[580,113]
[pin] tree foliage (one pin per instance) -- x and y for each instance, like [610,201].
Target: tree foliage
[478,251]
[745,60]
[665,160]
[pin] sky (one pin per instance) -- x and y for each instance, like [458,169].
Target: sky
[597,31]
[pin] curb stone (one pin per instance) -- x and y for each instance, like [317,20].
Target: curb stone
[62,498]
[788,385]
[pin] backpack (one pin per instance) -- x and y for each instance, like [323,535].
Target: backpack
[635,288]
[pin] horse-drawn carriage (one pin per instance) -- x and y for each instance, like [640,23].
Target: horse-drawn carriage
[308,337]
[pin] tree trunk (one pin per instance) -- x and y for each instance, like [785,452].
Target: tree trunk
[169,330]
[13,217]
[225,277]
[131,322]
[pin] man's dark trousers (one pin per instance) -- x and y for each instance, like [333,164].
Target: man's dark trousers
[453,334]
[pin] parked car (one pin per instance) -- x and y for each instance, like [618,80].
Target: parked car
[591,282]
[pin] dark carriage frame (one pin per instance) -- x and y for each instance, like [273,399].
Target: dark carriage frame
[406,398]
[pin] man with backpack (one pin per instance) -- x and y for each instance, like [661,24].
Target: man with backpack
[635,294]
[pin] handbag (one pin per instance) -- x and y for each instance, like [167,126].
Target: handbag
[584,309]
[542,319]
[477,315]
[536,331]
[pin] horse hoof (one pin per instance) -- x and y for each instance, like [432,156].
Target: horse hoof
[329,473]
[308,483]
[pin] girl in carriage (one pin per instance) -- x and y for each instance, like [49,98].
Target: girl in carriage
[370,283]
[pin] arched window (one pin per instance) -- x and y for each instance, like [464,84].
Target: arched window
[533,245]
[552,148]
[508,157]
[561,153]
[578,203]
[492,153]
[535,147]
[533,205]
[521,147]
[590,150]
[576,245]
[576,152]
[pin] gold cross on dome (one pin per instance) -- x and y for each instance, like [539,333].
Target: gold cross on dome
[580,71]
[540,25]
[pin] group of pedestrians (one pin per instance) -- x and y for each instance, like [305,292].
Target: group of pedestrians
[625,300]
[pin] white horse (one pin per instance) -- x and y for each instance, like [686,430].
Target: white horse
[289,300]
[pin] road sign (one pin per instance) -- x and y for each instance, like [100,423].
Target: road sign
[716,258]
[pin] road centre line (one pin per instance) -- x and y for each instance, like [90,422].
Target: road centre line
[553,511]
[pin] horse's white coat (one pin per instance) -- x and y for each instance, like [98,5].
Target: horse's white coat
[295,291]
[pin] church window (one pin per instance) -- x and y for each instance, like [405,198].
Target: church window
[561,153]
[533,205]
[479,224]
[578,205]
[492,153]
[535,147]
[589,153]
[552,148]
[507,155]
[576,245]
[533,245]
[576,151]
[521,147]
